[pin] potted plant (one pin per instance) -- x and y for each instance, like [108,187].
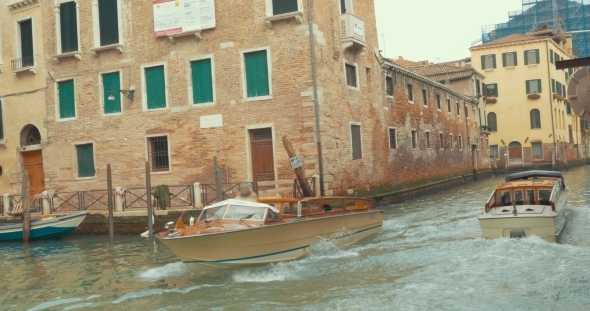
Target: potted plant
[534,95]
[490,100]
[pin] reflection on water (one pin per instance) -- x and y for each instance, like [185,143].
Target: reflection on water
[429,256]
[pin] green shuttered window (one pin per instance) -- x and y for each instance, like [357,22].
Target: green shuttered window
[488,61]
[533,86]
[155,84]
[257,74]
[108,20]
[531,57]
[85,154]
[26,43]
[568,109]
[284,6]
[67,102]
[69,27]
[202,81]
[111,81]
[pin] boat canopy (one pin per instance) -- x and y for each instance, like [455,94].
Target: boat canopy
[241,203]
[533,174]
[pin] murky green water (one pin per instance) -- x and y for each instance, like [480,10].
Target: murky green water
[429,256]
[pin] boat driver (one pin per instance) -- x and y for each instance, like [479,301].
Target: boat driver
[246,193]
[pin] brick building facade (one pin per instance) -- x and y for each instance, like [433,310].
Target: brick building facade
[233,91]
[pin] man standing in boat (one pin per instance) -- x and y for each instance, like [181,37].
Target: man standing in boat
[246,193]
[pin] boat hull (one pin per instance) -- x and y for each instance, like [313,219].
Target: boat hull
[272,243]
[46,229]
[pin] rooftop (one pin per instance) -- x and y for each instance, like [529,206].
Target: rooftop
[444,72]
[540,34]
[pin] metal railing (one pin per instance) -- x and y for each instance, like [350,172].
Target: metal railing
[20,63]
[298,192]
[34,204]
[180,196]
[209,191]
[66,201]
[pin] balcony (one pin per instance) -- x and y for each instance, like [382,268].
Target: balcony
[353,33]
[23,64]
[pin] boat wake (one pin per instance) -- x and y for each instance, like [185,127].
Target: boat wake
[169,271]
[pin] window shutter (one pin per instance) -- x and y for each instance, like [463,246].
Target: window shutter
[551,56]
[539,86]
[504,59]
[109,22]
[552,85]
[528,87]
[26,40]
[69,27]
[537,58]
[568,109]
[202,81]
[483,62]
[284,6]
[563,92]
[67,104]
[526,58]
[515,55]
[111,81]
[257,74]
[155,87]
[494,61]
[342,6]
[495,90]
[85,160]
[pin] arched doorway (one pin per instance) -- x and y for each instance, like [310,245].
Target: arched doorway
[30,141]
[515,153]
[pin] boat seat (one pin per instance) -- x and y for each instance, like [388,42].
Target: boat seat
[17,210]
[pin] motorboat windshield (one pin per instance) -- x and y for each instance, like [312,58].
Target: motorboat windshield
[237,210]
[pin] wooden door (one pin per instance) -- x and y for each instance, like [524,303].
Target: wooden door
[261,149]
[33,162]
[515,153]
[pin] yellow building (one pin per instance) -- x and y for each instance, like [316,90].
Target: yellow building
[22,95]
[527,114]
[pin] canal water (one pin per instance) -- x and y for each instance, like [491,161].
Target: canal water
[429,256]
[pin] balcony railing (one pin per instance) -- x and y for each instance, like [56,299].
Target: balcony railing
[22,63]
[353,32]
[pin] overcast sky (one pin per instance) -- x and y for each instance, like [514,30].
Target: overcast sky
[436,30]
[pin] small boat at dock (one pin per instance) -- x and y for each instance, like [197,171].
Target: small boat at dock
[526,204]
[47,228]
[236,233]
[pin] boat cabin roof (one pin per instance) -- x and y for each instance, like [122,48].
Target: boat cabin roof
[543,183]
[241,203]
[537,174]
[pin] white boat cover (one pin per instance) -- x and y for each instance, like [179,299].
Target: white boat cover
[241,203]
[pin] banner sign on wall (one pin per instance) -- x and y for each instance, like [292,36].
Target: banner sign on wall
[178,16]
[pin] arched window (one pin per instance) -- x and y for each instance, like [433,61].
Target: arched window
[30,136]
[535,119]
[492,122]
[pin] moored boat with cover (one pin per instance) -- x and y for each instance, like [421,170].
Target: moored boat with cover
[47,228]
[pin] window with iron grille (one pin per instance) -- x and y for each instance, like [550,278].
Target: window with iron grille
[410,93]
[158,153]
[392,139]
[537,149]
[351,75]
[85,156]
[494,152]
[424,97]
[389,86]
[441,141]
[427,140]
[414,140]
[438,101]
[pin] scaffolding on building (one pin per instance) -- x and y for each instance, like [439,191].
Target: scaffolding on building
[568,15]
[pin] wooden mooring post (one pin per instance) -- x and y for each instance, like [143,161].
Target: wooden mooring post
[25,204]
[218,183]
[148,188]
[110,202]
[299,170]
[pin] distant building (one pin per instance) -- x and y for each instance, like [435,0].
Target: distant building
[529,116]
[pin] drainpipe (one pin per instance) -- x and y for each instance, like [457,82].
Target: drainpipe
[554,153]
[315,97]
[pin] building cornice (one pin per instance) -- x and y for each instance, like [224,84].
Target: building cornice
[21,4]
[493,46]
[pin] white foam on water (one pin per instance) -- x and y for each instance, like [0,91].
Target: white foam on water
[50,304]
[78,306]
[159,291]
[171,270]
[93,296]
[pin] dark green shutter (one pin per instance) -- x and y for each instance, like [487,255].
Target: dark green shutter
[342,6]
[1,122]
[515,55]
[109,22]
[26,43]
[504,59]
[85,160]
[539,85]
[526,59]
[495,90]
[202,81]
[284,6]
[568,108]
[257,74]
[483,62]
[528,87]
[155,84]
[551,56]
[111,81]
[552,85]
[494,61]
[67,103]
[563,92]
[537,57]
[69,27]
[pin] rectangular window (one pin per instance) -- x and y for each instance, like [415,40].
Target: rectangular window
[477,87]
[438,102]
[155,87]
[26,44]
[427,140]
[389,86]
[491,90]
[410,93]
[558,87]
[537,149]
[1,121]
[509,59]
[531,57]
[458,108]
[441,140]
[488,61]
[551,56]
[66,97]
[351,75]
[85,155]
[68,22]
[460,139]
[284,6]
[158,153]
[357,152]
[424,97]
[533,86]
[451,142]
[108,20]
[345,6]
[414,140]
[563,91]
[494,152]
[553,84]
[257,75]
[202,79]
[449,105]
[392,139]
[111,83]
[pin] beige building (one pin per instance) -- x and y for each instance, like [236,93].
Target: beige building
[23,79]
[527,114]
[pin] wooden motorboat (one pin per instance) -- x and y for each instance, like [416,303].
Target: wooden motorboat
[235,233]
[46,228]
[526,204]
